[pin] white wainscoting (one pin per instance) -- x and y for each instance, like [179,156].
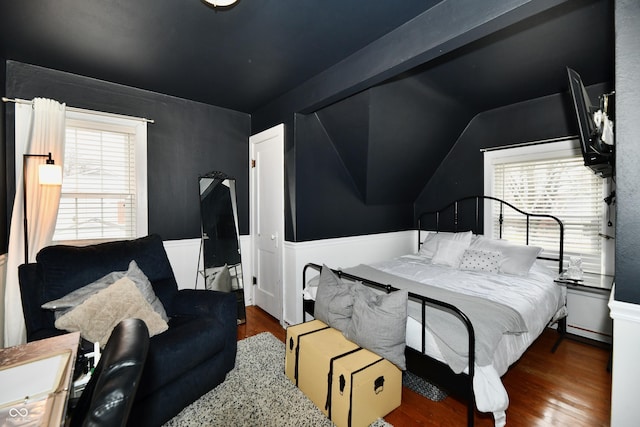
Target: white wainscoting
[625,381]
[183,257]
[336,253]
[247,272]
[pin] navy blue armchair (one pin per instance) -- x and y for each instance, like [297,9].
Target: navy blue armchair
[184,362]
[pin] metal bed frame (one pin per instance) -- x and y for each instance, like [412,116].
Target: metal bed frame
[417,361]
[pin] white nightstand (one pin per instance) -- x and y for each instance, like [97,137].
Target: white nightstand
[587,301]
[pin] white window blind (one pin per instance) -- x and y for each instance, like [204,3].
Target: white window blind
[99,191]
[559,186]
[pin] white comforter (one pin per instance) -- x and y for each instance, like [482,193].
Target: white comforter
[536,297]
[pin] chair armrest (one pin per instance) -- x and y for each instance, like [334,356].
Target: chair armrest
[31,290]
[200,302]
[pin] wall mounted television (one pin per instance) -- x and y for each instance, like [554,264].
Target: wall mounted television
[598,155]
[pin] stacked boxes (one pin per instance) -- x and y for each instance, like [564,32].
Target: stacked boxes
[350,384]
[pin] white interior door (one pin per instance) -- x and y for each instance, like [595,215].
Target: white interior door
[267,217]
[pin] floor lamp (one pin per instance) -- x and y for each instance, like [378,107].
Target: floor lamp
[48,174]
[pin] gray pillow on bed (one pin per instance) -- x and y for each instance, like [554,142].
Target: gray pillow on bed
[379,323]
[334,300]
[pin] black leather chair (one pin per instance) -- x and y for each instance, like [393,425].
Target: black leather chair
[107,399]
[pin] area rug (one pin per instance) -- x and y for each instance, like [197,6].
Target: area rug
[256,393]
[423,387]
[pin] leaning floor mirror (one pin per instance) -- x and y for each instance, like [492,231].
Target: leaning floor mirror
[222,262]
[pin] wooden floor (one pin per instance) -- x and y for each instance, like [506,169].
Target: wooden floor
[570,387]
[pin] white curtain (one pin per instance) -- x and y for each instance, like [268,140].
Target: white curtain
[40,129]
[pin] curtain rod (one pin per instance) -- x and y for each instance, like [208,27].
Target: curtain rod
[81,110]
[526,144]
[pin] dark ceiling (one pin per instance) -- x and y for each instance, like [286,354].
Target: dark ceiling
[240,57]
[246,56]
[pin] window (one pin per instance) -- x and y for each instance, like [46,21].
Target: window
[103,195]
[552,179]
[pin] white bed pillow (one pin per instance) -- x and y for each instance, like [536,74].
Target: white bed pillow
[430,243]
[478,260]
[516,259]
[449,252]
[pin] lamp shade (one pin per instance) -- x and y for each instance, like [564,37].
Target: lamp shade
[49,174]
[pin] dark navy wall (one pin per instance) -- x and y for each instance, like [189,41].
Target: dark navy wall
[360,163]
[383,159]
[187,139]
[364,162]
[3,171]
[628,151]
[346,124]
[412,129]
[328,202]
[461,173]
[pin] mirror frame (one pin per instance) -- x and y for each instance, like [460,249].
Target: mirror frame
[214,275]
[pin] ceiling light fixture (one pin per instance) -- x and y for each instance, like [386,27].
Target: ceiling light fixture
[221,3]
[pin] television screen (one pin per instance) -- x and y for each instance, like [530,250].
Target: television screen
[597,154]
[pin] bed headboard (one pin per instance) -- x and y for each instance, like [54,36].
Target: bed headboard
[467,214]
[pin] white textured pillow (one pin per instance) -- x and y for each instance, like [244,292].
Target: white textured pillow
[430,244]
[477,260]
[449,253]
[96,317]
[516,259]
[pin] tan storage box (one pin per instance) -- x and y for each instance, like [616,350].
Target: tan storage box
[364,388]
[292,345]
[349,384]
[314,361]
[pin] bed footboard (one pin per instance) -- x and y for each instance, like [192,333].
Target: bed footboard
[418,362]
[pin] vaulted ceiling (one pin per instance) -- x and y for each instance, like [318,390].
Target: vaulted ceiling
[245,56]
[401,130]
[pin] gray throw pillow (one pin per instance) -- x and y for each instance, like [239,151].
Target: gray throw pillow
[334,301]
[80,295]
[96,317]
[379,323]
